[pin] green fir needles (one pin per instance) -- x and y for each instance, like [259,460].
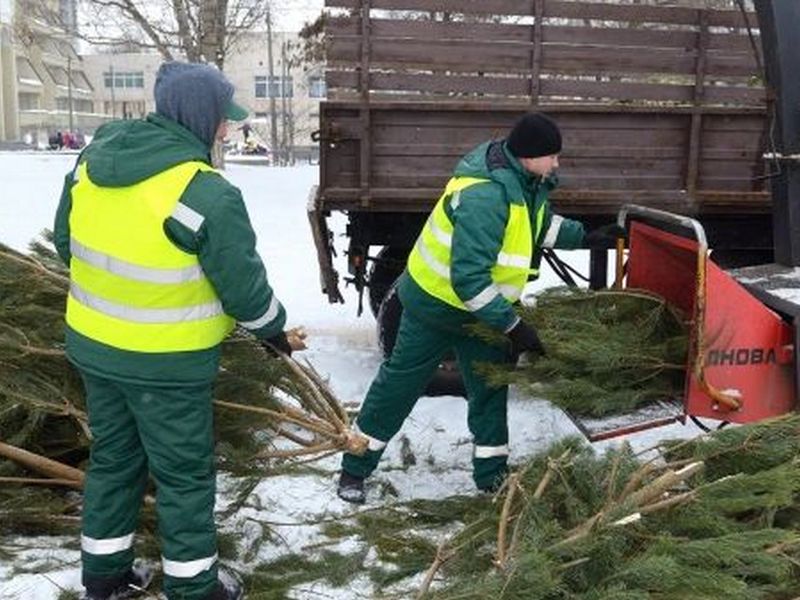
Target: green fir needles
[571,525]
[607,351]
[44,433]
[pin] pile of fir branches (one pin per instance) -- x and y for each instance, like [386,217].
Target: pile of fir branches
[44,433]
[608,351]
[717,518]
[708,519]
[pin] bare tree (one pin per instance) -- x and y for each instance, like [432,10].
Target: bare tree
[197,30]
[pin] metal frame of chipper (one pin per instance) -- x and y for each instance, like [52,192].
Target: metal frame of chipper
[742,364]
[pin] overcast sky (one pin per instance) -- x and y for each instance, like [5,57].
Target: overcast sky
[291,14]
[288,15]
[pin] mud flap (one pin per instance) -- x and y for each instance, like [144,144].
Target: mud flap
[323,242]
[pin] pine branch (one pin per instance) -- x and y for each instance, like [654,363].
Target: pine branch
[43,465]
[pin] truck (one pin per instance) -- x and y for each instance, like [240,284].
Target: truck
[685,107]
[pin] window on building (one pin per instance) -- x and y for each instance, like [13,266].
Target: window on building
[58,74]
[274,87]
[47,45]
[133,109]
[261,86]
[66,50]
[83,105]
[123,79]
[282,87]
[62,103]
[28,101]
[134,80]
[316,87]
[25,71]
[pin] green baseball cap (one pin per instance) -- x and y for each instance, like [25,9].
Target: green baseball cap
[234,112]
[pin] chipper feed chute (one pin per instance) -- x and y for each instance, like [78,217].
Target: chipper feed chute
[740,365]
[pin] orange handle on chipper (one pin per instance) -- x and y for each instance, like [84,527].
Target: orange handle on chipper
[620,265]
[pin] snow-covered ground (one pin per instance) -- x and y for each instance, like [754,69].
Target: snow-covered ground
[341,346]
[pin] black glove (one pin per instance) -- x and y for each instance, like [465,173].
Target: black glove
[277,344]
[604,237]
[524,339]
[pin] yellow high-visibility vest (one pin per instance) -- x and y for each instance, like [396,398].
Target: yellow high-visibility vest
[131,287]
[430,259]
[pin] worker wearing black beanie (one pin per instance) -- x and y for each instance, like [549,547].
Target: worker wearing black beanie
[534,135]
[482,243]
[480,246]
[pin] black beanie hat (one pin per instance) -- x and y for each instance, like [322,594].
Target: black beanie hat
[535,134]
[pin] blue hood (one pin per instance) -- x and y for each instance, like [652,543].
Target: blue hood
[194,95]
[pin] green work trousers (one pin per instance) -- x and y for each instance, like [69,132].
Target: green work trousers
[167,432]
[402,378]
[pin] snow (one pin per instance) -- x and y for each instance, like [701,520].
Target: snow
[341,346]
[790,294]
[775,280]
[62,568]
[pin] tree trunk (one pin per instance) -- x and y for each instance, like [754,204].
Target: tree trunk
[185,30]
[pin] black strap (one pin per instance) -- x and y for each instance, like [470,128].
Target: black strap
[562,269]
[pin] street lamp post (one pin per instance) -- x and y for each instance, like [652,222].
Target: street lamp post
[273,125]
[69,92]
[113,99]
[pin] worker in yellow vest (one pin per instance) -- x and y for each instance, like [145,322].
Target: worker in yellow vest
[163,264]
[478,248]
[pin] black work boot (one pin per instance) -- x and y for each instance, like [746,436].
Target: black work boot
[131,584]
[351,488]
[228,588]
[498,482]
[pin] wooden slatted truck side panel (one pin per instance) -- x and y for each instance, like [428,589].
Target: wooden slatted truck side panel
[662,106]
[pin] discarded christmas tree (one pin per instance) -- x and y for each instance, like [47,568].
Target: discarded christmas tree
[607,351]
[258,397]
[713,518]
[704,524]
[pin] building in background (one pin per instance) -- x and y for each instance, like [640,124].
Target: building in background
[123,83]
[9,119]
[44,86]
[294,89]
[47,87]
[123,88]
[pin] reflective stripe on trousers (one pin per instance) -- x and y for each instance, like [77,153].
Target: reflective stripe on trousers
[491,451]
[105,546]
[188,568]
[375,444]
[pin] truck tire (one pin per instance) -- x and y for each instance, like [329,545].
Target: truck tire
[385,270]
[447,381]
[388,320]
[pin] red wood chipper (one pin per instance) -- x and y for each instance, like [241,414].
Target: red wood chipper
[741,360]
[742,364]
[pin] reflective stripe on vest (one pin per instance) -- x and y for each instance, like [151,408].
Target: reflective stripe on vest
[131,287]
[430,260]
